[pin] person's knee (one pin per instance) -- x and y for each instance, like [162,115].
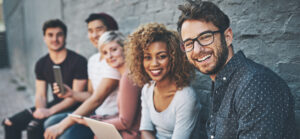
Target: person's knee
[49,122]
[54,119]
[7,122]
[35,125]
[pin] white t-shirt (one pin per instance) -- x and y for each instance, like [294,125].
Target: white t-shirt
[97,70]
[177,121]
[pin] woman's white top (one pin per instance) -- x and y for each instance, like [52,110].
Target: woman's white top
[98,70]
[177,121]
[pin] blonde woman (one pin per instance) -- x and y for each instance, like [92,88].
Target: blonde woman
[128,119]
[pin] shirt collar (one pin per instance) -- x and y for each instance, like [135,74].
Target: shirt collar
[234,63]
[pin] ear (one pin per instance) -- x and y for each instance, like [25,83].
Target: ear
[44,38]
[228,36]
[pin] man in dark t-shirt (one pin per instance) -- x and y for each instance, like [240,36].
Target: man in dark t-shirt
[74,74]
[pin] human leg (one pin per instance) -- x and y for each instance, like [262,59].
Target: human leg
[35,129]
[77,131]
[14,125]
[54,119]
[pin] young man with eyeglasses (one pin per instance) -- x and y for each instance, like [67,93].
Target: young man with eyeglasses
[248,99]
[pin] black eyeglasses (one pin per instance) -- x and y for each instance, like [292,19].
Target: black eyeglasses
[204,39]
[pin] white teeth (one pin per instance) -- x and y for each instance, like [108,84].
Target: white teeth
[203,58]
[155,71]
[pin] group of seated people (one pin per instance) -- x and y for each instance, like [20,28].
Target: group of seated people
[141,84]
[116,76]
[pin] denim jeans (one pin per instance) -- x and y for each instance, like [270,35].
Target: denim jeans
[76,131]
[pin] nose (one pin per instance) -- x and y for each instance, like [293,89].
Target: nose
[95,35]
[55,38]
[197,47]
[108,55]
[154,62]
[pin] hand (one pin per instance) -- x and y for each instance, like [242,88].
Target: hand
[97,117]
[53,131]
[41,113]
[68,91]
[79,120]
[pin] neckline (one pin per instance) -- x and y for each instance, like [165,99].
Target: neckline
[62,61]
[152,99]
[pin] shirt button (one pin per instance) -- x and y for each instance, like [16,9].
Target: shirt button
[224,78]
[212,137]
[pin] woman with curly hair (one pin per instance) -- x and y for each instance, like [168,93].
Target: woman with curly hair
[169,105]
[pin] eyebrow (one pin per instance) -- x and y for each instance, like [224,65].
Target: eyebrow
[102,26]
[197,35]
[162,52]
[147,53]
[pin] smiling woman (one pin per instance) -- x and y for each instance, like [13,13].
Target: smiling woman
[169,106]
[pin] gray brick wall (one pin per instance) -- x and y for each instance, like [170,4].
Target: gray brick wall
[266,30]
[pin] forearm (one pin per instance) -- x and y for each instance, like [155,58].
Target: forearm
[40,102]
[118,122]
[40,94]
[88,106]
[64,104]
[106,86]
[78,87]
[66,123]
[147,134]
[81,96]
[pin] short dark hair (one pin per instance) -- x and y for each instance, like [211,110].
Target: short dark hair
[108,21]
[55,23]
[202,10]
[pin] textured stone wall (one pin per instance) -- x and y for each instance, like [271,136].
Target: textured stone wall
[266,30]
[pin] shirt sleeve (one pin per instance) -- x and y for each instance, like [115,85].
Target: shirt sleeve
[128,102]
[81,69]
[39,70]
[109,72]
[146,123]
[90,62]
[264,108]
[187,111]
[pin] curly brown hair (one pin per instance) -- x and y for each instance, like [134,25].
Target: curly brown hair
[181,71]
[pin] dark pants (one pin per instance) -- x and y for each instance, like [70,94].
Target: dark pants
[24,120]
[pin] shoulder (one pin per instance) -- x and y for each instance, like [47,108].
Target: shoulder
[186,97]
[187,93]
[75,55]
[42,60]
[259,82]
[260,77]
[94,57]
[148,89]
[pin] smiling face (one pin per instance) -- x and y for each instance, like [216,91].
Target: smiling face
[156,61]
[211,58]
[95,29]
[54,38]
[113,53]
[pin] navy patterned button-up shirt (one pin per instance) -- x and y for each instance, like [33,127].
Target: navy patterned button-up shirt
[250,101]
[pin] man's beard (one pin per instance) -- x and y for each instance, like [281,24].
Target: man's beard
[221,55]
[61,48]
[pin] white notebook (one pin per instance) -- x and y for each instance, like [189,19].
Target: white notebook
[103,130]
